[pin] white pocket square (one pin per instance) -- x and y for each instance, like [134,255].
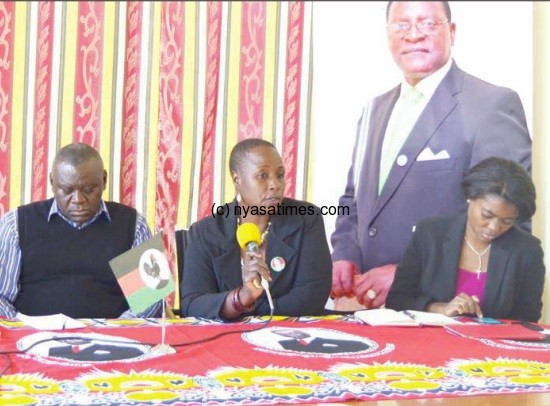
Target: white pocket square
[428,155]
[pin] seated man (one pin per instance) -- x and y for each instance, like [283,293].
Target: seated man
[54,254]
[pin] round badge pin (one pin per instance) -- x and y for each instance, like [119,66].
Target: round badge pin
[278,264]
[402,160]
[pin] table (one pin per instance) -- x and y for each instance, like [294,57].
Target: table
[290,360]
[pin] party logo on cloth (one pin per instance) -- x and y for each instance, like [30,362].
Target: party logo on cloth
[314,342]
[143,274]
[83,348]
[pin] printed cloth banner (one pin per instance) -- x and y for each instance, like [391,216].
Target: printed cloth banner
[305,360]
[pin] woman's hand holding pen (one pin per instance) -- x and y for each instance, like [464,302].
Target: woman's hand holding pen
[460,305]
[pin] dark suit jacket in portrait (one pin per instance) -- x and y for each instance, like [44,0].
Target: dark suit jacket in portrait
[428,271]
[324,345]
[95,352]
[212,264]
[468,120]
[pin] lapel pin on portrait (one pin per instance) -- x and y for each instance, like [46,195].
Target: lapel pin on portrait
[402,160]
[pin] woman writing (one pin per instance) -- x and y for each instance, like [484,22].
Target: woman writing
[223,280]
[480,262]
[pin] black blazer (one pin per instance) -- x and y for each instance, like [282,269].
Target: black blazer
[96,352]
[324,345]
[212,264]
[428,270]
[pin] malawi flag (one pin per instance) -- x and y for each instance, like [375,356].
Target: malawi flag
[143,274]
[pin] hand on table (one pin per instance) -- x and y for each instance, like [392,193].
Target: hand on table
[460,305]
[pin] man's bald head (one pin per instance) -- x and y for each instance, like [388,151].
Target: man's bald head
[77,154]
[78,180]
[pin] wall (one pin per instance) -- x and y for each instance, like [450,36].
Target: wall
[163,89]
[165,126]
[541,139]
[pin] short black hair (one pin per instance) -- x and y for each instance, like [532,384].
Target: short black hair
[237,156]
[504,178]
[446,6]
[76,154]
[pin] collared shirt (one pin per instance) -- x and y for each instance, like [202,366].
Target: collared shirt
[10,256]
[400,125]
[426,86]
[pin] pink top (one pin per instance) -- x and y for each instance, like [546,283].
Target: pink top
[467,282]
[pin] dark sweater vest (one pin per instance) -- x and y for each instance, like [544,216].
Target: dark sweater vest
[65,270]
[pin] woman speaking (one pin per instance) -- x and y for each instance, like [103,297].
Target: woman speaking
[223,279]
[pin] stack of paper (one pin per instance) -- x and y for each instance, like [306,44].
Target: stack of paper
[412,318]
[51,322]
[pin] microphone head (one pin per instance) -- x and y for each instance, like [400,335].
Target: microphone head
[248,232]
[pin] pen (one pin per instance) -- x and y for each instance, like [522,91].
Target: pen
[408,313]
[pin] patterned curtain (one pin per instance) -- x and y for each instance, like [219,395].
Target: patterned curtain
[163,90]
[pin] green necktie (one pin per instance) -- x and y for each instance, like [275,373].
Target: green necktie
[404,121]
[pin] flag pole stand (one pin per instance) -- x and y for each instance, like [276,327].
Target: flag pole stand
[163,348]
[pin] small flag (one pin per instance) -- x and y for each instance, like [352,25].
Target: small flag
[143,274]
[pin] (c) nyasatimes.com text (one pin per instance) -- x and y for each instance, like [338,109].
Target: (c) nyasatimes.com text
[278,210]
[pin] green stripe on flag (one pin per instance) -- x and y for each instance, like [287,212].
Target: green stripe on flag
[129,260]
[144,298]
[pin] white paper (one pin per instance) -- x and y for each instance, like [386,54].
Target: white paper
[52,322]
[412,318]
[385,317]
[433,319]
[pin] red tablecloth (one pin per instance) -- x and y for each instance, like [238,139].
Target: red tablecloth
[331,359]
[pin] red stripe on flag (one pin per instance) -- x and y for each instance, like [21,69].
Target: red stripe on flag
[252,65]
[292,93]
[42,96]
[206,190]
[88,75]
[130,107]
[131,282]
[170,121]
[6,84]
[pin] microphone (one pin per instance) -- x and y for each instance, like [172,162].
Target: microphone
[250,238]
